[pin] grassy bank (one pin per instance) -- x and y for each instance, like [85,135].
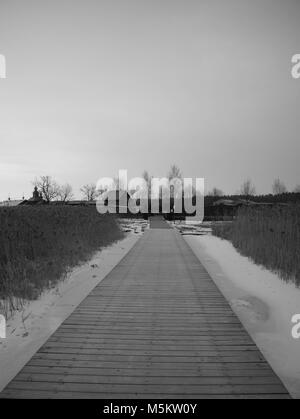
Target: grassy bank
[270,236]
[39,245]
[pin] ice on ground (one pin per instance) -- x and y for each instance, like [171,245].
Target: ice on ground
[192,228]
[133,225]
[264,303]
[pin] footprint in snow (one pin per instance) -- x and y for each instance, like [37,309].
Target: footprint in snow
[251,308]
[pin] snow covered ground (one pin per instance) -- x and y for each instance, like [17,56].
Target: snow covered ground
[133,225]
[191,227]
[29,329]
[264,303]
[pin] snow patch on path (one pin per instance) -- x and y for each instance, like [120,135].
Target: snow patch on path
[264,303]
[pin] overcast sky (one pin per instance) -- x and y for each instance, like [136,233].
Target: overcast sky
[97,85]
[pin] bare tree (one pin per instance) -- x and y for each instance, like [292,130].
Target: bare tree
[297,189]
[118,184]
[47,187]
[174,172]
[146,176]
[278,187]
[89,191]
[247,188]
[65,192]
[216,192]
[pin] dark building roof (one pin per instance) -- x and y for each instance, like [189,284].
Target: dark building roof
[36,198]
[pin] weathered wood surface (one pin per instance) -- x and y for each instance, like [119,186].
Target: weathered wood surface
[155,327]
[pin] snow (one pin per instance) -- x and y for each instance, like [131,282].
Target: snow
[264,303]
[29,329]
[191,228]
[133,225]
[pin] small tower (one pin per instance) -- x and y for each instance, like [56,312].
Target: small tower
[35,194]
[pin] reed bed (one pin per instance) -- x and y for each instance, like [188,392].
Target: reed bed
[39,245]
[270,236]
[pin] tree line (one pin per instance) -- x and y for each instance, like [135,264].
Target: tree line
[248,189]
[51,190]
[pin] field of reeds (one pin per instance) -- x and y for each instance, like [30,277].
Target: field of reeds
[39,245]
[270,236]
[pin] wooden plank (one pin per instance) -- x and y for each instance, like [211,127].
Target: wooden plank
[120,343]
[144,389]
[140,380]
[242,357]
[226,367]
[208,371]
[107,354]
[36,394]
[158,347]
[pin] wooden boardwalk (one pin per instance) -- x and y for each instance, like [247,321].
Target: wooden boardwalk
[156,327]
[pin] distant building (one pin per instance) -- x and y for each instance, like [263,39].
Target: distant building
[228,208]
[36,198]
[11,202]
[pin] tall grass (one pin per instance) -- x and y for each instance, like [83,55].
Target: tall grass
[270,236]
[38,245]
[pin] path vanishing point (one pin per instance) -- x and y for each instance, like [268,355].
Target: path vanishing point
[156,327]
